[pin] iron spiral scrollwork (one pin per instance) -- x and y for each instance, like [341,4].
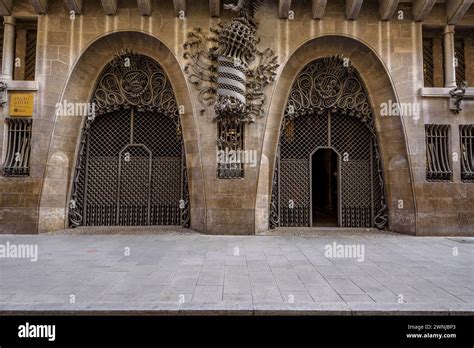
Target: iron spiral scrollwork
[131,167]
[133,80]
[328,108]
[329,83]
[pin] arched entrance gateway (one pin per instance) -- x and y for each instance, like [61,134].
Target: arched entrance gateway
[328,170]
[131,167]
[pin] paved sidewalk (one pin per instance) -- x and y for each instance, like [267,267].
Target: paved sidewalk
[170,273]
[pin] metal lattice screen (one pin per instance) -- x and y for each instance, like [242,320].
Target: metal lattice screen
[328,109]
[231,140]
[131,167]
[133,171]
[353,141]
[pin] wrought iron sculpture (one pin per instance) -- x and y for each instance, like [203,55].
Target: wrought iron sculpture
[458,94]
[132,80]
[328,108]
[131,166]
[231,74]
[3,93]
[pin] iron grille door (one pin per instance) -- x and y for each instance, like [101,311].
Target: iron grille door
[99,177]
[296,145]
[353,141]
[349,138]
[133,172]
[134,186]
[131,166]
[328,109]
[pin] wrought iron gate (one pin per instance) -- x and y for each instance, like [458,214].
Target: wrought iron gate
[131,166]
[328,108]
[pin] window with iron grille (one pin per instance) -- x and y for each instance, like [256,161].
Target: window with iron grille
[18,147]
[25,51]
[428,72]
[230,145]
[438,164]
[466,133]
[460,61]
[433,57]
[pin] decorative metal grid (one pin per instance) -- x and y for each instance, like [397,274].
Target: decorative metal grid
[438,164]
[466,132]
[428,66]
[30,57]
[328,108]
[353,141]
[131,167]
[17,161]
[460,60]
[230,142]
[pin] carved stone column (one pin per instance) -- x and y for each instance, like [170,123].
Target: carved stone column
[8,47]
[449,68]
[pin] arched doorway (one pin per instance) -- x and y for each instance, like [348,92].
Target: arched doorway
[131,167]
[328,108]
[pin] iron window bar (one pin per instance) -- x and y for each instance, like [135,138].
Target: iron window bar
[467,152]
[438,162]
[17,162]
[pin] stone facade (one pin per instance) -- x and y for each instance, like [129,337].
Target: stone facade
[387,54]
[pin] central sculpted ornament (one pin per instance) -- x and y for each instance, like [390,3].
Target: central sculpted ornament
[231,74]
[135,83]
[226,67]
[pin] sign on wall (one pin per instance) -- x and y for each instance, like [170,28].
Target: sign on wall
[21,104]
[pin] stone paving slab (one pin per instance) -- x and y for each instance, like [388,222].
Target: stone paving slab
[166,272]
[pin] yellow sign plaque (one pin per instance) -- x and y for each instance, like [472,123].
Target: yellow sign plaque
[21,104]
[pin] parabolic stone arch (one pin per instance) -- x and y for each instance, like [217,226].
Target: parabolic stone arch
[390,131]
[79,88]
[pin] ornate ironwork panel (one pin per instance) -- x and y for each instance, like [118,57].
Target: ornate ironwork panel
[231,141]
[328,108]
[131,166]
[231,74]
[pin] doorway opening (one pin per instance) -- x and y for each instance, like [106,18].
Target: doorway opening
[324,188]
